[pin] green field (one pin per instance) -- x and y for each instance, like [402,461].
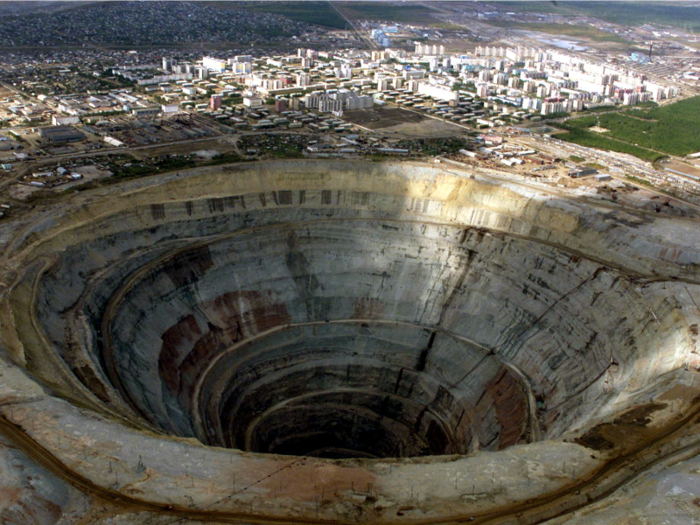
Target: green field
[406,13]
[591,139]
[672,129]
[319,13]
[532,7]
[323,13]
[576,31]
[679,14]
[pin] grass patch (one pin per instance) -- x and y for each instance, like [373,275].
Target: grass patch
[679,14]
[639,13]
[583,137]
[672,129]
[601,109]
[643,182]
[281,146]
[531,7]
[595,166]
[318,13]
[555,116]
[130,172]
[433,147]
[576,31]
[576,158]
[406,13]
[223,158]
[137,169]
[447,26]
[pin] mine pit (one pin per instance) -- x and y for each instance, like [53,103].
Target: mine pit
[366,312]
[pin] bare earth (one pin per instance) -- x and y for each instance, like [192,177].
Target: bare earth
[397,121]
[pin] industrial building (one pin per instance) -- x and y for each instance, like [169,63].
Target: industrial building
[581,172]
[62,134]
[58,120]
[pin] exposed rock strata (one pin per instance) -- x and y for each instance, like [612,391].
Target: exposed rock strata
[345,310]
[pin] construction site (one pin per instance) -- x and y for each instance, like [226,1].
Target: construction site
[334,342]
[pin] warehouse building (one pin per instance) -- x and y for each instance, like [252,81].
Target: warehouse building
[57,135]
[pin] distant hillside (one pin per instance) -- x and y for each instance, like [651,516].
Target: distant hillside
[33,6]
[678,14]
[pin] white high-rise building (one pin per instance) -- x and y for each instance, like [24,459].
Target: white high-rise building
[438,92]
[343,72]
[214,64]
[241,68]
[168,63]
[327,104]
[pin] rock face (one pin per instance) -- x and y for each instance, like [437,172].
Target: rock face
[352,310]
[334,336]
[30,494]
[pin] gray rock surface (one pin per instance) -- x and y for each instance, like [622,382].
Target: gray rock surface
[337,309]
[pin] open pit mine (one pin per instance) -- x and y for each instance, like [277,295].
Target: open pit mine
[341,342]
